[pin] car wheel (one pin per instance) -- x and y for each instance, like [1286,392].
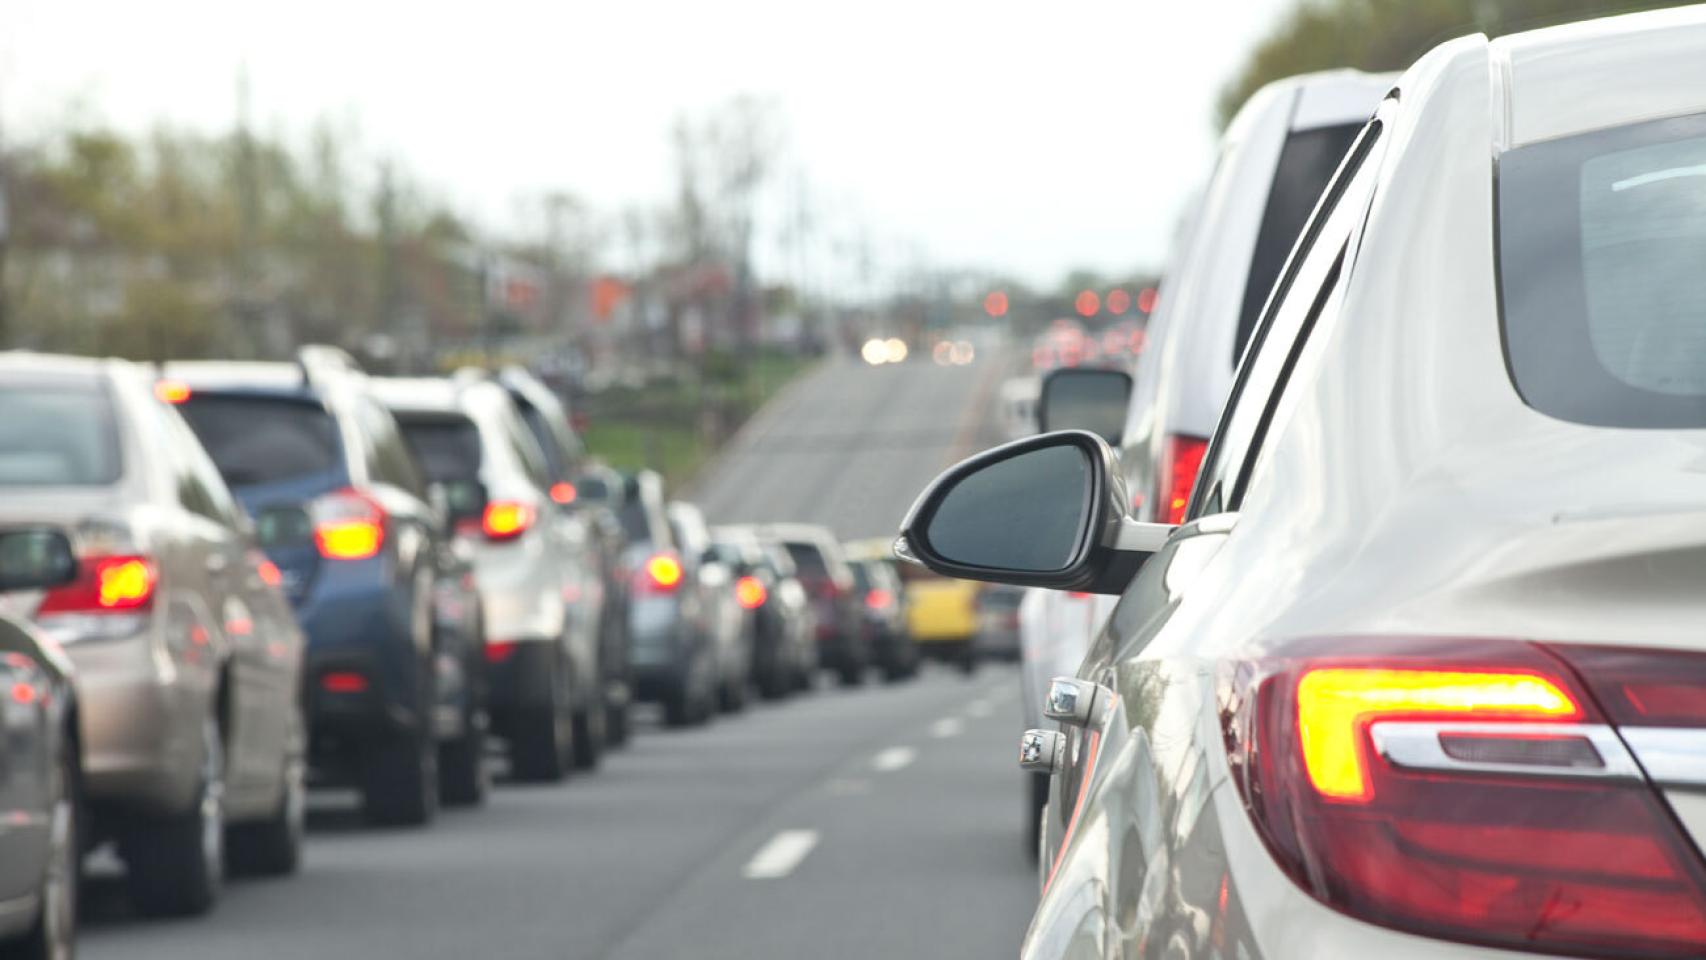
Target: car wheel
[590,737]
[176,864]
[400,780]
[539,750]
[616,725]
[463,780]
[273,847]
[731,695]
[1036,798]
[851,674]
[54,936]
[968,659]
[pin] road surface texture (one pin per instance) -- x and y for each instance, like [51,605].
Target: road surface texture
[882,822]
[851,445]
[878,822]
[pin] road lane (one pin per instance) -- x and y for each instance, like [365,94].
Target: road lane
[648,857]
[851,445]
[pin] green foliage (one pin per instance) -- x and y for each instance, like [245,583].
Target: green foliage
[1382,35]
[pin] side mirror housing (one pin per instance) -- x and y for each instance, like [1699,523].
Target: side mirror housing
[36,559]
[1079,398]
[1044,511]
[460,500]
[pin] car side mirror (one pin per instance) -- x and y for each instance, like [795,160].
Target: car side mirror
[1076,398]
[1045,511]
[35,559]
[462,500]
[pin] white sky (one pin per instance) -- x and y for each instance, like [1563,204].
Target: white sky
[1030,138]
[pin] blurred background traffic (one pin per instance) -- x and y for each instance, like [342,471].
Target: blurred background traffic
[394,403]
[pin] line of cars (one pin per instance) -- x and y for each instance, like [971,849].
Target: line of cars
[1406,657]
[224,583]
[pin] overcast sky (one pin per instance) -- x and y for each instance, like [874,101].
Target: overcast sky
[1030,138]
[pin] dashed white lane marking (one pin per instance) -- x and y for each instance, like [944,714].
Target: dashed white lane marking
[947,727]
[781,855]
[894,758]
[979,708]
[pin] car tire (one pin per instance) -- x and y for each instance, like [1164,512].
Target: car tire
[591,736]
[463,780]
[54,935]
[400,780]
[731,695]
[968,659]
[273,847]
[175,865]
[1036,798]
[617,725]
[541,746]
[851,674]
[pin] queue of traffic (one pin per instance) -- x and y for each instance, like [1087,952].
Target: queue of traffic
[223,584]
[1373,591]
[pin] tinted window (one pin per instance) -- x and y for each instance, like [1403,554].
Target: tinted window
[56,433]
[392,461]
[1306,163]
[808,560]
[257,440]
[1602,241]
[635,521]
[861,577]
[447,447]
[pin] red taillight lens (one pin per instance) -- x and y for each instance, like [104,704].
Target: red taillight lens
[105,584]
[348,525]
[661,573]
[172,391]
[879,599]
[343,681]
[269,573]
[750,592]
[1464,789]
[563,492]
[498,651]
[1181,460]
[506,519]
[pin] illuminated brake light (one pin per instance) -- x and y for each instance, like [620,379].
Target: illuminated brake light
[1181,461]
[506,519]
[1468,789]
[105,584]
[1335,706]
[750,592]
[878,599]
[172,391]
[499,651]
[348,525]
[269,573]
[663,572]
[343,681]
[563,492]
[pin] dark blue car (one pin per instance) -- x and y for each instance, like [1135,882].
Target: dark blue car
[394,668]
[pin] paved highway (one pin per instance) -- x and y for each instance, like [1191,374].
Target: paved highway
[851,445]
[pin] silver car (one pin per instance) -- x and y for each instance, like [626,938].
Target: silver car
[1422,673]
[188,660]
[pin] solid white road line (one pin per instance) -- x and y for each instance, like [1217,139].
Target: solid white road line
[781,855]
[947,727]
[894,758]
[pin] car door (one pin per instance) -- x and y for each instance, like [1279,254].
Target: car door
[1143,753]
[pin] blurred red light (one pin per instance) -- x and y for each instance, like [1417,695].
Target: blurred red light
[1087,304]
[343,682]
[1146,300]
[995,304]
[1118,301]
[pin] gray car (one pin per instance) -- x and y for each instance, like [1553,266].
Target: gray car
[188,660]
[1421,674]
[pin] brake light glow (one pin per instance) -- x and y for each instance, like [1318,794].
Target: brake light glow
[172,391]
[348,525]
[1467,789]
[105,584]
[1181,461]
[879,599]
[750,592]
[269,573]
[343,681]
[506,519]
[563,492]
[498,651]
[1335,705]
[663,571]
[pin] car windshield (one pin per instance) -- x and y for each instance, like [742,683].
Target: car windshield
[447,446]
[808,560]
[1306,163]
[1602,238]
[256,440]
[56,433]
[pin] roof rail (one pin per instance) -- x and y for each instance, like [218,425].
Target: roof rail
[312,358]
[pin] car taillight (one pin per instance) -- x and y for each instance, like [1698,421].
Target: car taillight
[822,587]
[564,492]
[661,573]
[348,525]
[750,592]
[506,519]
[1176,474]
[1465,789]
[105,584]
[499,651]
[878,599]
[172,391]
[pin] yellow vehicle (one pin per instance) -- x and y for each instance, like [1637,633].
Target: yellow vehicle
[942,615]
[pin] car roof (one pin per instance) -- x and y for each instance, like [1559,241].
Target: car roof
[406,395]
[246,375]
[58,364]
[1601,73]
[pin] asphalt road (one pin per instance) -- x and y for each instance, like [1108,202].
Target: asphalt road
[880,822]
[851,445]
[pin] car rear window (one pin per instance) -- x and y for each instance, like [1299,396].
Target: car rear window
[57,433]
[808,559]
[1306,163]
[1602,274]
[447,445]
[256,440]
